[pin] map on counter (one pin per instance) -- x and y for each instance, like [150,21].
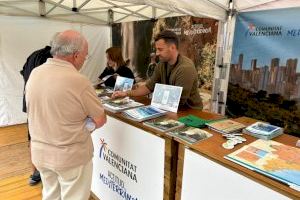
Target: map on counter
[273,159]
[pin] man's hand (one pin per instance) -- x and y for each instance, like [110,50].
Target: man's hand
[118,94]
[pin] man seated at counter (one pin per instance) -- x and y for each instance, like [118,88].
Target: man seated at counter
[173,69]
[116,66]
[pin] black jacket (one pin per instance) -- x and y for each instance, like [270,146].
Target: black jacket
[34,60]
[123,71]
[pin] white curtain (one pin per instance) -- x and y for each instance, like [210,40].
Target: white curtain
[19,37]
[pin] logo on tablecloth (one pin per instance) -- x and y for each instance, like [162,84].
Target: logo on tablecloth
[102,148]
[112,179]
[118,161]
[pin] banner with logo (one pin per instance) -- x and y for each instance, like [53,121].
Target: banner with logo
[264,80]
[197,41]
[128,163]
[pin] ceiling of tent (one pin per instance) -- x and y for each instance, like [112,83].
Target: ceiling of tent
[114,11]
[255,5]
[85,11]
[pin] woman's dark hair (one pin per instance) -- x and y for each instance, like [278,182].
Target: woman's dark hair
[115,54]
[168,36]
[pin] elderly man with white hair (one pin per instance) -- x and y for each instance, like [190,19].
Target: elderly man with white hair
[59,101]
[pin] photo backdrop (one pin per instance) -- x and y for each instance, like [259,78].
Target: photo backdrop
[264,80]
[198,38]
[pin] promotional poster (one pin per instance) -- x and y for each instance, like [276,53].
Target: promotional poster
[264,80]
[197,41]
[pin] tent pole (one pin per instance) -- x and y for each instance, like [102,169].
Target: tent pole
[153,13]
[42,8]
[110,16]
[216,93]
[222,68]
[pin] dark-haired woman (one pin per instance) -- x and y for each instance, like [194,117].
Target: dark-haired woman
[116,66]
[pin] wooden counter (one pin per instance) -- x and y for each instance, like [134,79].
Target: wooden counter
[211,149]
[171,146]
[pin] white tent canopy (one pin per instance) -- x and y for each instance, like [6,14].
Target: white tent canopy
[109,11]
[83,11]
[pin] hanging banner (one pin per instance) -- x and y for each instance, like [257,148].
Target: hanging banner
[128,163]
[197,41]
[264,80]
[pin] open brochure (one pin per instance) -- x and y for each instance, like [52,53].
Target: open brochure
[104,99]
[165,98]
[105,78]
[103,91]
[144,113]
[123,84]
[118,105]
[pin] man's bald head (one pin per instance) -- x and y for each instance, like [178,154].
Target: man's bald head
[70,46]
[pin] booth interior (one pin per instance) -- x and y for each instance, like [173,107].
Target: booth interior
[246,54]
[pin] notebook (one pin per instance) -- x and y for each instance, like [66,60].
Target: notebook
[225,126]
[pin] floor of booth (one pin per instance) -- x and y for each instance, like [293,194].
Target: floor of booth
[15,165]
